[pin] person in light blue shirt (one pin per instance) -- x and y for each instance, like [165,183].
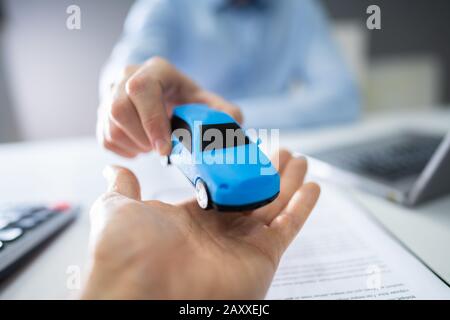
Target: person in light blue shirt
[274,58]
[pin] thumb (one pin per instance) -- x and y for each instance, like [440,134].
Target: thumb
[123,181]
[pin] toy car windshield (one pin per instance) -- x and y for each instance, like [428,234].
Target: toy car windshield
[231,135]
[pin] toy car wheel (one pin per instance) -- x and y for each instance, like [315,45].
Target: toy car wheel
[202,194]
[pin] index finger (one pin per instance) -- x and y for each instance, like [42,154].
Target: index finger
[148,89]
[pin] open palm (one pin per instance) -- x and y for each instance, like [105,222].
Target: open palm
[150,249]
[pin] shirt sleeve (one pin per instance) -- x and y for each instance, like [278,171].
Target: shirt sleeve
[328,93]
[148,31]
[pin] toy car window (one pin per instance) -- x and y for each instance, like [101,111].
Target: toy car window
[182,132]
[224,135]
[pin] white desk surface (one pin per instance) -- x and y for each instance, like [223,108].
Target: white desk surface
[71,170]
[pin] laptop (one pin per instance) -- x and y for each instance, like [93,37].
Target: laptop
[408,167]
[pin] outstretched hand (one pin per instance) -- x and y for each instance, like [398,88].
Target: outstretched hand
[153,250]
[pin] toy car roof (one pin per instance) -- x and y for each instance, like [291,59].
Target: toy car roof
[199,112]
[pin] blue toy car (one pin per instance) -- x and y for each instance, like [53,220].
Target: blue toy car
[228,170]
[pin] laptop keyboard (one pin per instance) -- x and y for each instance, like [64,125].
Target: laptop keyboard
[391,159]
[23,228]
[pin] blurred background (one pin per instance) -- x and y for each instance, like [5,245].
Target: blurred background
[49,74]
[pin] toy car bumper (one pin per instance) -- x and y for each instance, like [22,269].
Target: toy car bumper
[246,207]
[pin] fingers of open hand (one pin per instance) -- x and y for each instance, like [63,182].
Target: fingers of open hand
[273,239]
[292,172]
[287,224]
[280,159]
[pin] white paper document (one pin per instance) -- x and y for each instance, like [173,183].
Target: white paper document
[343,253]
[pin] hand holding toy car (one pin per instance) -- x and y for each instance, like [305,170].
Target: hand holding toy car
[134,118]
[154,250]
